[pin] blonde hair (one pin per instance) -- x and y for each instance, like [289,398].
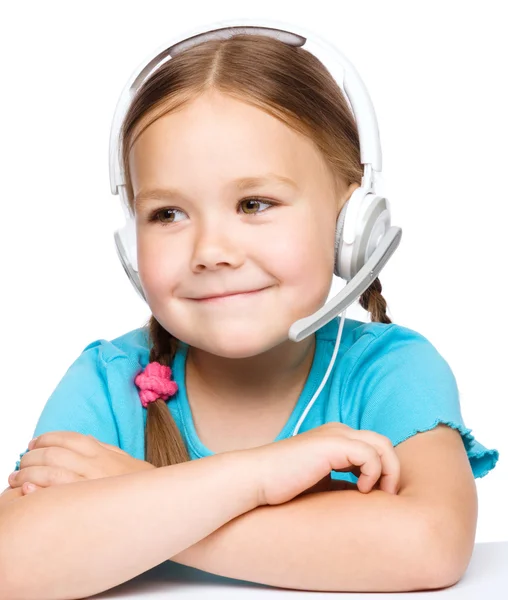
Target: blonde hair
[286,82]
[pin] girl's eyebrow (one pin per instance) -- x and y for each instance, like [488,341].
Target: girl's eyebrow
[242,183]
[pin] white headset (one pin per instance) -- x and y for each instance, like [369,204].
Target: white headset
[364,238]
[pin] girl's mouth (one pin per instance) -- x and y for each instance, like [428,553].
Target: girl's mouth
[230,296]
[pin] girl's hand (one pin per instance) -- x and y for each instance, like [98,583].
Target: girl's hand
[66,456]
[302,463]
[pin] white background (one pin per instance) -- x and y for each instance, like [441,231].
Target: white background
[436,73]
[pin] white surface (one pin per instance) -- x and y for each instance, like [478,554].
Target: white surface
[486,577]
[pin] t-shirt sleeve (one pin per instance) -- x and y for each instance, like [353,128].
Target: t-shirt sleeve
[405,386]
[80,401]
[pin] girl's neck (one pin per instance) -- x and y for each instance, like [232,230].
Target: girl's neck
[269,378]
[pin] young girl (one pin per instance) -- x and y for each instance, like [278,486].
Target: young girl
[175,438]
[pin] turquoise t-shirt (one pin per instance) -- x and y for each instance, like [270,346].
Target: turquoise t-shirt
[386,378]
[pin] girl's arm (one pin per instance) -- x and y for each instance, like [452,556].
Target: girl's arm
[78,539]
[332,541]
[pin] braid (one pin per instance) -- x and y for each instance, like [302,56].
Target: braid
[163,442]
[372,301]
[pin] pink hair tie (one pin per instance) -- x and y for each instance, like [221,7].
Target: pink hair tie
[154,383]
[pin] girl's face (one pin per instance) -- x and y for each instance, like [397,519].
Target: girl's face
[216,234]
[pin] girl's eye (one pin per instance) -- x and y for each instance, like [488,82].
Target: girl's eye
[171,211]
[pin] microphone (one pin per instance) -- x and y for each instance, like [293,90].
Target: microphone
[302,328]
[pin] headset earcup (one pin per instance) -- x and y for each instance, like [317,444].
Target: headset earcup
[125,248]
[372,214]
[338,241]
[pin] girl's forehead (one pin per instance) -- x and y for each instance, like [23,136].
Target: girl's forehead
[230,126]
[160,157]
[223,144]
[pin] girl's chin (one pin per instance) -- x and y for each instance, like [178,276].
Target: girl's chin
[235,339]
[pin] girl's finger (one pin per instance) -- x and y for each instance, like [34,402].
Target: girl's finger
[111,447]
[389,479]
[56,457]
[28,488]
[43,476]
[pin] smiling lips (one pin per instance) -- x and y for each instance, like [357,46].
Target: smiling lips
[225,297]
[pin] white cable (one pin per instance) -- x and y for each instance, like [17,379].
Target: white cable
[330,366]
